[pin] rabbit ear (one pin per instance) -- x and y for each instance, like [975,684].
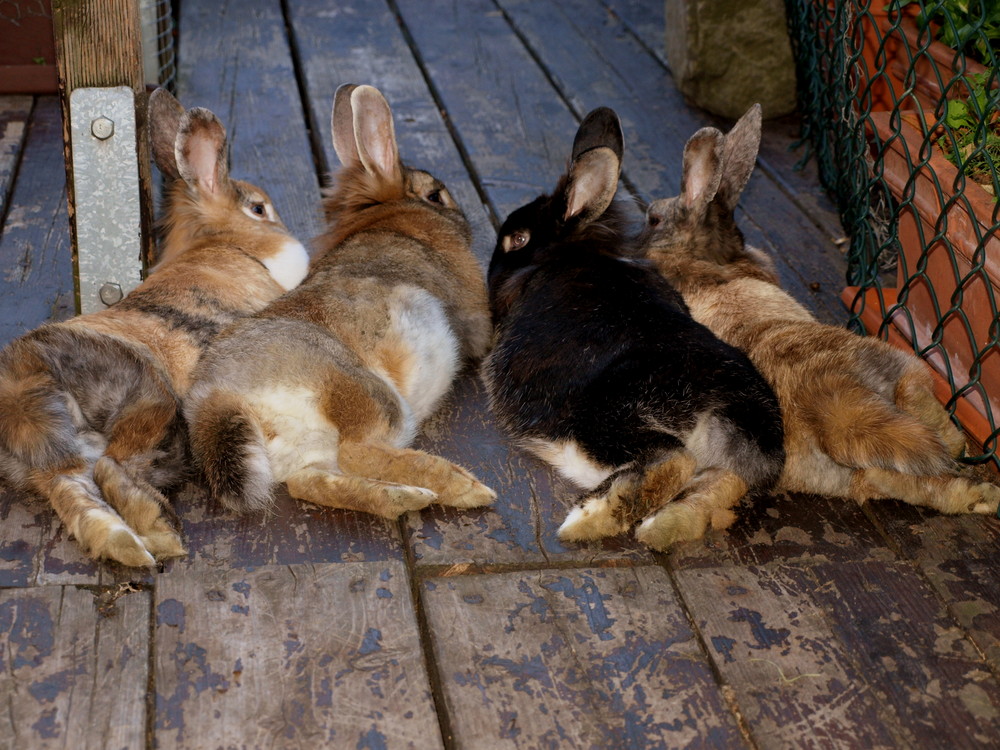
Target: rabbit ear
[702,171]
[374,134]
[342,125]
[599,128]
[739,154]
[593,180]
[200,150]
[165,114]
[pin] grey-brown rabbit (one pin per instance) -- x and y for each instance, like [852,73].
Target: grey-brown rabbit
[861,419]
[325,388]
[90,414]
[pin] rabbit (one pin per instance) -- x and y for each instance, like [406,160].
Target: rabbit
[599,370]
[90,408]
[326,387]
[861,419]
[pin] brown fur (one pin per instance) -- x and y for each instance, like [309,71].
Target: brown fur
[322,389]
[860,417]
[90,408]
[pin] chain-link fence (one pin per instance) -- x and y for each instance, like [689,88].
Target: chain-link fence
[901,107]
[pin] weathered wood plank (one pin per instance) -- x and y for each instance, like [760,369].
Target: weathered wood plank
[842,654]
[788,528]
[235,59]
[36,270]
[960,556]
[794,682]
[14,114]
[903,640]
[515,129]
[296,533]
[594,61]
[298,656]
[74,674]
[361,42]
[584,658]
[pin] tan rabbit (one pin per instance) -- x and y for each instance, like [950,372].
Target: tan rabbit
[324,388]
[90,408]
[861,420]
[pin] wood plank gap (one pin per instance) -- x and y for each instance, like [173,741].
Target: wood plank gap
[9,172]
[150,697]
[313,131]
[434,677]
[725,689]
[463,152]
[424,572]
[634,193]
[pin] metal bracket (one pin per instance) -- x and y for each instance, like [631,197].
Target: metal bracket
[106,195]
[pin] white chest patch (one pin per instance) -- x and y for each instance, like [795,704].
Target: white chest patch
[289,265]
[431,347]
[566,457]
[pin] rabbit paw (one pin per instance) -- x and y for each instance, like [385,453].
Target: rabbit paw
[164,544]
[401,498]
[594,519]
[123,546]
[985,498]
[674,522]
[474,495]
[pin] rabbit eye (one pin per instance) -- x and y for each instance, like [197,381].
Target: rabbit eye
[258,209]
[435,197]
[516,240]
[653,220]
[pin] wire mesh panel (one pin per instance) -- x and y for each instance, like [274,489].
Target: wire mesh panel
[901,108]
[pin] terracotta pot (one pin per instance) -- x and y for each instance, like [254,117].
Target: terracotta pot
[947,288]
[895,50]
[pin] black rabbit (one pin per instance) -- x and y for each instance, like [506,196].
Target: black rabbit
[600,370]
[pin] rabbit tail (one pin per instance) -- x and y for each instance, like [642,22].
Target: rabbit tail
[860,429]
[229,445]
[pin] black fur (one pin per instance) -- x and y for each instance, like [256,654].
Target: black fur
[595,346]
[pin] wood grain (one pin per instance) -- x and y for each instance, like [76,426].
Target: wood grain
[296,533]
[573,658]
[843,653]
[36,268]
[14,114]
[74,673]
[234,58]
[291,656]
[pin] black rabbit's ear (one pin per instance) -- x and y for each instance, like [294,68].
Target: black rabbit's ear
[593,180]
[739,154]
[702,171]
[600,128]
[165,114]
[342,125]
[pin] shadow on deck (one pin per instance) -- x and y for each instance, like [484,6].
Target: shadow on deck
[809,623]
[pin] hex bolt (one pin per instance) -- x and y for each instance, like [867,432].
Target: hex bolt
[110,293]
[102,128]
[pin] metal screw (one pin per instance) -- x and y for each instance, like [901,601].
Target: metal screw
[102,128]
[110,293]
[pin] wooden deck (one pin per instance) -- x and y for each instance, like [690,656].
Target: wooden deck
[811,623]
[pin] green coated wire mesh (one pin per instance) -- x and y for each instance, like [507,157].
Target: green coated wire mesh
[901,109]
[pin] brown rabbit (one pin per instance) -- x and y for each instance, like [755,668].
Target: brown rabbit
[861,420]
[90,408]
[324,388]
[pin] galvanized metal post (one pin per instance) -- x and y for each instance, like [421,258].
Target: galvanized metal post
[100,64]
